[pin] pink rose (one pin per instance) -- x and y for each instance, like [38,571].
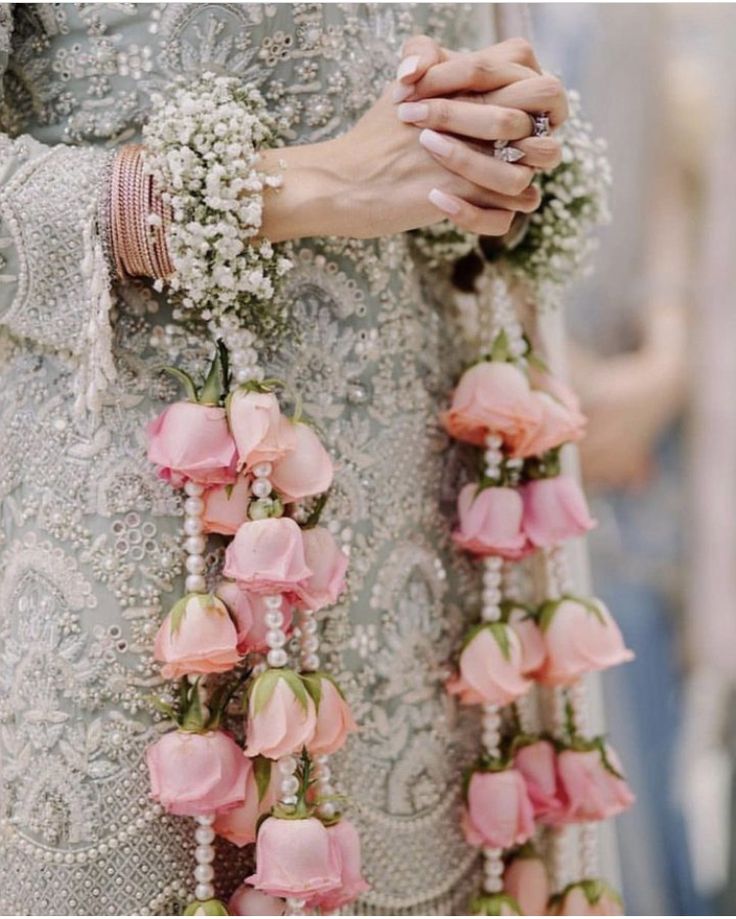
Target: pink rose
[334,719]
[555,510]
[197,636]
[226,507]
[499,813]
[307,470]
[579,637]
[294,858]
[490,667]
[345,844]
[247,901]
[192,441]
[262,434]
[537,763]
[492,397]
[281,714]
[593,788]
[194,774]
[490,522]
[249,612]
[267,556]
[532,643]
[558,425]
[238,824]
[591,897]
[526,880]
[328,564]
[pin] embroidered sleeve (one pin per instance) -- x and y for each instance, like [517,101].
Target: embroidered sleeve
[54,286]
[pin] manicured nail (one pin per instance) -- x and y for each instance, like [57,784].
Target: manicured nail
[403,91]
[435,142]
[444,202]
[407,67]
[413,111]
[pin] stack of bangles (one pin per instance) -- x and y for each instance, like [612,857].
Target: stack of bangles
[137,218]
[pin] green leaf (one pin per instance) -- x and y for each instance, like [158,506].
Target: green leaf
[193,718]
[263,688]
[546,613]
[164,707]
[262,774]
[294,682]
[190,387]
[206,908]
[313,684]
[536,361]
[500,632]
[494,904]
[500,347]
[215,386]
[178,611]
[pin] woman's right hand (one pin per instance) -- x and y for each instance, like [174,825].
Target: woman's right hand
[378,179]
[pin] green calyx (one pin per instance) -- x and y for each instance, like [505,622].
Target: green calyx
[593,889]
[216,384]
[547,610]
[499,630]
[265,683]
[206,908]
[494,904]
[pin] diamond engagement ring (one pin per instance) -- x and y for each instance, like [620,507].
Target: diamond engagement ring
[502,151]
[540,124]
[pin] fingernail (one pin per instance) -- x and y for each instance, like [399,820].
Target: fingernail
[407,67]
[444,202]
[413,111]
[435,142]
[403,91]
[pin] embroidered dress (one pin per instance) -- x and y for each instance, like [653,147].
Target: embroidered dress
[90,556]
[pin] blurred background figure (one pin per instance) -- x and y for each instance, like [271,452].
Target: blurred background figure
[654,358]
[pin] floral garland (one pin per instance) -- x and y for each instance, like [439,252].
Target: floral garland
[549,249]
[509,406]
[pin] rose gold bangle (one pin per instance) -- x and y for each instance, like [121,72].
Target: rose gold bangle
[139,246]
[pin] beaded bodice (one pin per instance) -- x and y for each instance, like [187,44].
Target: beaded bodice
[89,537]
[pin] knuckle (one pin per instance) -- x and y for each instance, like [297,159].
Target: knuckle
[517,181]
[550,88]
[440,112]
[519,49]
[505,121]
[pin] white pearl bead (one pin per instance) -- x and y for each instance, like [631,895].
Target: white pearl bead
[195,545]
[193,489]
[194,507]
[309,627]
[310,662]
[203,855]
[193,526]
[290,800]
[324,773]
[275,638]
[277,658]
[490,614]
[289,786]
[287,765]
[204,891]
[492,885]
[205,819]
[327,810]
[310,645]
[262,470]
[195,584]
[274,601]
[261,488]
[204,873]
[274,619]
[326,790]
[195,564]
[491,595]
[204,835]
[242,376]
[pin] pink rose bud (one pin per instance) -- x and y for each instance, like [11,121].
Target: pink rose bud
[494,904]
[249,612]
[490,667]
[593,784]
[197,636]
[281,714]
[189,441]
[328,564]
[307,470]
[560,423]
[490,522]
[334,719]
[498,814]
[294,858]
[262,434]
[580,636]
[267,556]
[193,774]
[238,824]
[555,510]
[247,901]
[226,507]
[492,397]
[591,897]
[537,763]
[533,650]
[526,880]
[345,844]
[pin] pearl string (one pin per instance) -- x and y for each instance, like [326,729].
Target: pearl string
[204,855]
[195,541]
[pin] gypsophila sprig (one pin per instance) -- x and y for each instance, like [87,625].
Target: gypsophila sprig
[552,248]
[202,144]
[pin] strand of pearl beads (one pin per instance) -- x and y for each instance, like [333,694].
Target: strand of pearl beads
[204,855]
[195,541]
[505,318]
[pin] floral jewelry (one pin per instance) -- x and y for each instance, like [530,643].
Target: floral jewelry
[512,409]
